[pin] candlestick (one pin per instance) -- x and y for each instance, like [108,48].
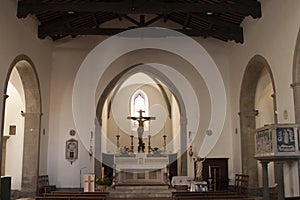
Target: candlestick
[102,175]
[165,142]
[131,145]
[149,144]
[209,171]
[118,141]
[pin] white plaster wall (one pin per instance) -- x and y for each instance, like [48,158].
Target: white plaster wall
[18,36]
[14,144]
[65,64]
[67,58]
[273,36]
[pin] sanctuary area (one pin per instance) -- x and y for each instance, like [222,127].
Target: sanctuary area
[157,99]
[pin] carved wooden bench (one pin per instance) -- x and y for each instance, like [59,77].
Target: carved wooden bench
[241,184]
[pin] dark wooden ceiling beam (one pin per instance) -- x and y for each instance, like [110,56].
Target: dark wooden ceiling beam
[66,20]
[220,23]
[59,31]
[139,7]
[228,33]
[155,19]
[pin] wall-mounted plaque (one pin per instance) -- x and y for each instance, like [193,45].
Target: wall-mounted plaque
[72,150]
[12,129]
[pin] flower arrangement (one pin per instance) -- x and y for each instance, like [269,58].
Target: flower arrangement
[103,181]
[156,151]
[124,151]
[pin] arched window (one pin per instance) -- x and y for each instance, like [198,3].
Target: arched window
[139,101]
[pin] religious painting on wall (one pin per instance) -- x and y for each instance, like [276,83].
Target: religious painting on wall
[264,142]
[12,129]
[72,150]
[285,139]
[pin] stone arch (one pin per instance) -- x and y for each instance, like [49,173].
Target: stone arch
[248,114]
[156,75]
[296,85]
[296,79]
[32,120]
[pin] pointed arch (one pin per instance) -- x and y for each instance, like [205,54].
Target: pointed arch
[139,101]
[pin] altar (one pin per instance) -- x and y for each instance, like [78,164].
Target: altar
[141,169]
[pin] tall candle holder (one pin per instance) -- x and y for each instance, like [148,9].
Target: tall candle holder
[118,141]
[165,142]
[131,143]
[149,144]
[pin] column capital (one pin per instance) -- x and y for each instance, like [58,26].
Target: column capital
[295,85]
[252,113]
[264,162]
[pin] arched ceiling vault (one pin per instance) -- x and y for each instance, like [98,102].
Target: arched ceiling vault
[159,84]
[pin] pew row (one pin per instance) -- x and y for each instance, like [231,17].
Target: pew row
[74,195]
[209,195]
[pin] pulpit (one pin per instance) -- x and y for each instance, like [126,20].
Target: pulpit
[141,169]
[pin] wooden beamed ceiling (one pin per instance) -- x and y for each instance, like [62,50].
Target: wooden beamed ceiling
[220,19]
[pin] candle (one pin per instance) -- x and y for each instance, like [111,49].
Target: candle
[209,171]
[102,172]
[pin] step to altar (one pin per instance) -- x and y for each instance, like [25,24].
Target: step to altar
[140,191]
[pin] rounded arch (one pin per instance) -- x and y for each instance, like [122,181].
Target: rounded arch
[248,113]
[91,71]
[32,120]
[296,79]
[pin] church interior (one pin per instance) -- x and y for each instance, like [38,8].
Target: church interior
[164,98]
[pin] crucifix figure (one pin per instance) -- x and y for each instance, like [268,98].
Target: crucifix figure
[140,130]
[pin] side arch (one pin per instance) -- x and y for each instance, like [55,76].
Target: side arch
[248,113]
[32,120]
[296,79]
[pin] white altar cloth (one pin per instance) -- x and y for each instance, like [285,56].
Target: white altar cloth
[141,169]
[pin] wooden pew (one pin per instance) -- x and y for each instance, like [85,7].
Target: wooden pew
[74,195]
[207,195]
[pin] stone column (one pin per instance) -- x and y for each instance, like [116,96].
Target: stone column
[299,172]
[280,178]
[4,141]
[98,150]
[31,152]
[265,176]
[249,163]
[2,108]
[183,146]
[296,90]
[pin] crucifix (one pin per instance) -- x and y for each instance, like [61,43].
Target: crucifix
[140,130]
